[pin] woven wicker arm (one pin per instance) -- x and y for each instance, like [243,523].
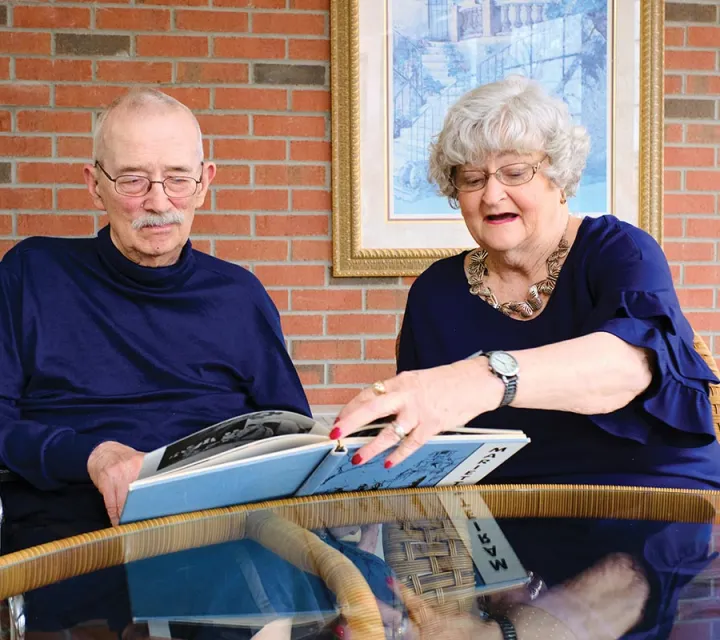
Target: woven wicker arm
[703,350]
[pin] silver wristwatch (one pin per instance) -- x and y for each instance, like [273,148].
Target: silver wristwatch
[505,367]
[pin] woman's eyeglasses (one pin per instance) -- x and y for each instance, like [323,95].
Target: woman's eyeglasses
[511,175]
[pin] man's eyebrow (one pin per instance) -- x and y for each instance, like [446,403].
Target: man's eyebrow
[133,168]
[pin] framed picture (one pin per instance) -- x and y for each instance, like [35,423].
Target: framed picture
[398,64]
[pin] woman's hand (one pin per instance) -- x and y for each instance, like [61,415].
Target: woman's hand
[424,404]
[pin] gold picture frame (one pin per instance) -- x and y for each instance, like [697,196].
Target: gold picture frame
[353,256]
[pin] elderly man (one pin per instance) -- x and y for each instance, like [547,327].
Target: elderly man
[116,345]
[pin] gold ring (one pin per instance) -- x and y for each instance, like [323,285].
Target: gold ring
[379,388]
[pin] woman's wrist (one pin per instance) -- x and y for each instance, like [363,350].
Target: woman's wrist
[485,389]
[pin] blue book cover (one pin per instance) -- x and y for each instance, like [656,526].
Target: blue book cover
[298,462]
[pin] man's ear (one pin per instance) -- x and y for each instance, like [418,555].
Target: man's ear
[209,171]
[90,175]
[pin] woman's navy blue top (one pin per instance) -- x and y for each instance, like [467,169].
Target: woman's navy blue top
[615,280]
[94,347]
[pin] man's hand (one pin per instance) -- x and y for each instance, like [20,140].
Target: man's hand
[112,467]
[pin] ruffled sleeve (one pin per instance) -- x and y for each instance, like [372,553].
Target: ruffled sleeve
[635,300]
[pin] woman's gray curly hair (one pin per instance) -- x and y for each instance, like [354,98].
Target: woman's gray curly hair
[512,115]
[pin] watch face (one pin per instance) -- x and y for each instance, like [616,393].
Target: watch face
[504,364]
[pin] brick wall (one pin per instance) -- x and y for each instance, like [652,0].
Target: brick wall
[256,73]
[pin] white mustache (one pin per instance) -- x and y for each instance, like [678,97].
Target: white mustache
[158,220]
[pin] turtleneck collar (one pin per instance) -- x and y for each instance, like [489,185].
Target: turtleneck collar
[139,277]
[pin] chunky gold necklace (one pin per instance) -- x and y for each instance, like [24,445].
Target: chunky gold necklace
[477,272]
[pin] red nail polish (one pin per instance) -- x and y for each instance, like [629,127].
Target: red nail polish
[335,434]
[339,631]
[388,464]
[356,459]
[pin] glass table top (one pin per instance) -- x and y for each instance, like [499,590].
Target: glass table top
[557,562]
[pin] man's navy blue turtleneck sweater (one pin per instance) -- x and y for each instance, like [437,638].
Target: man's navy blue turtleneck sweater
[94,347]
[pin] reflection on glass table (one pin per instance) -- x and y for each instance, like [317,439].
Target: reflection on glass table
[539,562]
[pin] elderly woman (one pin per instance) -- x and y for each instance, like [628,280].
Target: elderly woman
[566,328]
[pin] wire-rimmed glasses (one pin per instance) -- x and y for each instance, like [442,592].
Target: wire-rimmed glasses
[137,186]
[511,175]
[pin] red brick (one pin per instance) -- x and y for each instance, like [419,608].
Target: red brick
[39,69]
[35,17]
[280,298]
[703,84]
[673,133]
[309,49]
[4,68]
[6,225]
[171,46]
[673,226]
[360,373]
[408,280]
[250,149]
[324,349]
[311,101]
[702,274]
[291,276]
[74,200]
[252,250]
[253,4]
[301,325]
[316,250]
[248,99]
[75,95]
[25,146]
[331,395]
[702,180]
[674,36]
[380,349]
[74,147]
[218,125]
[214,224]
[311,373]
[287,23]
[704,320]
[176,3]
[191,97]
[238,175]
[291,126]
[292,225]
[310,150]
[55,121]
[249,48]
[50,172]
[673,84]
[703,228]
[704,37]
[386,299]
[135,19]
[689,156]
[249,200]
[55,225]
[690,60]
[319,5]
[212,73]
[134,71]
[689,251]
[24,94]
[689,203]
[24,42]
[311,200]
[327,299]
[672,180]
[372,323]
[5,246]
[215,21]
[278,174]
[676,273]
[703,134]
[5,121]
[696,298]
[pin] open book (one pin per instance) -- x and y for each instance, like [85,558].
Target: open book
[275,454]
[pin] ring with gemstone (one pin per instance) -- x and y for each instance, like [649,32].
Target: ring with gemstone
[379,388]
[398,429]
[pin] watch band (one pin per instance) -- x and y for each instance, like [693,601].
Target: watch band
[510,383]
[507,628]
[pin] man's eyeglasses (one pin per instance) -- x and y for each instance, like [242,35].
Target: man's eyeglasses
[136,186]
[511,175]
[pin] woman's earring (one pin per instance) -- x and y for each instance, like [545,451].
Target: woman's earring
[563,199]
